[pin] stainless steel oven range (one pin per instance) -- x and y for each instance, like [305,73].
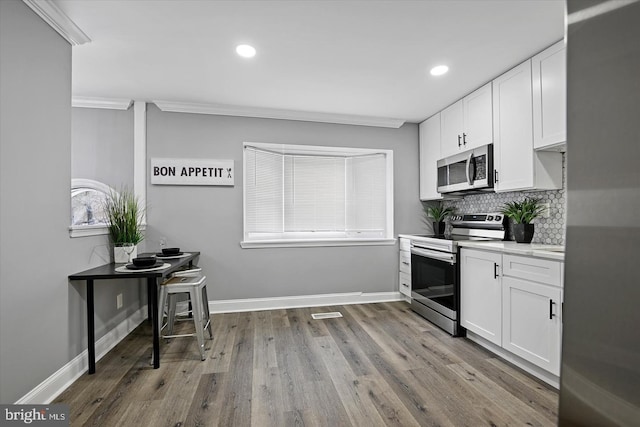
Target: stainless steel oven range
[435,287]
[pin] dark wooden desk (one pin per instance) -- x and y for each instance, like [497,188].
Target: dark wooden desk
[154,278]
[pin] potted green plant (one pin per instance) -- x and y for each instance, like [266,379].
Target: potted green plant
[124,216]
[522,213]
[437,213]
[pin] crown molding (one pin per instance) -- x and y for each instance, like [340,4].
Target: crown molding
[106,103]
[57,19]
[269,113]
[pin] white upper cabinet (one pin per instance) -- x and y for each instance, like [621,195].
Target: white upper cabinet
[478,118]
[451,136]
[429,155]
[517,166]
[468,123]
[550,98]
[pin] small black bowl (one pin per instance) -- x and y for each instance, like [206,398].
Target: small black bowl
[145,261]
[171,251]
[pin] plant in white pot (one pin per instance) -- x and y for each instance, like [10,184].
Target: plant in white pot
[522,213]
[437,213]
[125,224]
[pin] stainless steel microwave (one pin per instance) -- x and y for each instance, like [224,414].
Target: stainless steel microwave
[470,170]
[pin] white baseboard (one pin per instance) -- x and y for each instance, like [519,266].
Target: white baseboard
[276,303]
[50,388]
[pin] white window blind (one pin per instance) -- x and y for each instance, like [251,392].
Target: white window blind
[314,194]
[366,202]
[264,192]
[309,193]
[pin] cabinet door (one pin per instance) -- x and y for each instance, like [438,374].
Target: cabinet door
[429,155]
[481,293]
[478,118]
[451,130]
[531,322]
[513,127]
[549,72]
[405,284]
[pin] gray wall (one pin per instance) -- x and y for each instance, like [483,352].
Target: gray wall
[209,219]
[102,145]
[35,130]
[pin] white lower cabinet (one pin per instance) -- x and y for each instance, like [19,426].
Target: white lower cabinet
[481,293]
[531,322]
[514,302]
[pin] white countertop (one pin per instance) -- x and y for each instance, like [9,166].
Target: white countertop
[553,252]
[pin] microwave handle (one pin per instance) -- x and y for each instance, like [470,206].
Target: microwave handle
[471,169]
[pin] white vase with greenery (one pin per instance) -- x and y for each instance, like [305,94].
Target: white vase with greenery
[124,214]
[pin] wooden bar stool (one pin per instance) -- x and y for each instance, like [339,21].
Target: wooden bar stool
[196,288]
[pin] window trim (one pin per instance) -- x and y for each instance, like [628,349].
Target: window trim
[89,230]
[322,242]
[92,230]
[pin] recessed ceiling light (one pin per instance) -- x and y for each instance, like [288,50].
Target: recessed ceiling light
[246,51]
[439,70]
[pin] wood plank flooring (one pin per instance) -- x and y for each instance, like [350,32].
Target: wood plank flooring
[379,365]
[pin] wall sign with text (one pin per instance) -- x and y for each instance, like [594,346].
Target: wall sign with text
[192,172]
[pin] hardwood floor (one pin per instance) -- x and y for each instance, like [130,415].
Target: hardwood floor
[379,365]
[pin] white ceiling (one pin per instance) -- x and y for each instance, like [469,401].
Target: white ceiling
[367,58]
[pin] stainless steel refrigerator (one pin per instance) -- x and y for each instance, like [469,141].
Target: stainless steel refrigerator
[600,376]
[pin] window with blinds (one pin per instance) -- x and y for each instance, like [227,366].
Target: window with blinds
[320,195]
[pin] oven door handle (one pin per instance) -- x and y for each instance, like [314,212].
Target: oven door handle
[440,256]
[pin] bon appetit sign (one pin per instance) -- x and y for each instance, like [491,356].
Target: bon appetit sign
[191,172]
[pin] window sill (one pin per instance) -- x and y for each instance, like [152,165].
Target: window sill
[91,230]
[87,230]
[258,244]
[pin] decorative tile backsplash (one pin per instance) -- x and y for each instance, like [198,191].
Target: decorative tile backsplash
[547,230]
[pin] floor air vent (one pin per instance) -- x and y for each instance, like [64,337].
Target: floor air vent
[318,316]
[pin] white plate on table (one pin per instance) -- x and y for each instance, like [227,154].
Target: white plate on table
[181,255]
[124,269]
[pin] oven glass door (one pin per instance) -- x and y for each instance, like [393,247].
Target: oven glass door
[433,283]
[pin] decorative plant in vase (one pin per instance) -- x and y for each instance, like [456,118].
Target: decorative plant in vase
[437,213]
[124,215]
[522,213]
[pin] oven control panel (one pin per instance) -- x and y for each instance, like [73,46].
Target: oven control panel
[478,219]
